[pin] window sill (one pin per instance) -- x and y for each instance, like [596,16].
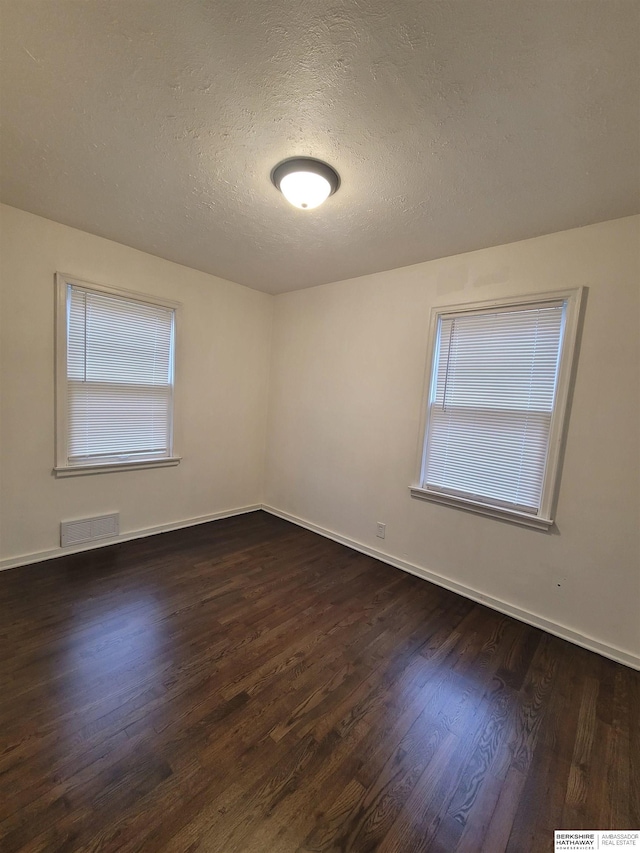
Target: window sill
[483,509]
[83,470]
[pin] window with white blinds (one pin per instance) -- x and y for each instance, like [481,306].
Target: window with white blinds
[497,396]
[115,379]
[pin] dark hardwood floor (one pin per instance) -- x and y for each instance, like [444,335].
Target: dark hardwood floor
[247,686]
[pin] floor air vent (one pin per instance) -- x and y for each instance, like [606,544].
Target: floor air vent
[89,529]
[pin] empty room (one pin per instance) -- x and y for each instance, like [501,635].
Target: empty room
[319,426]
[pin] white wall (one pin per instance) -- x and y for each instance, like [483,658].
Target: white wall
[346,386]
[222,380]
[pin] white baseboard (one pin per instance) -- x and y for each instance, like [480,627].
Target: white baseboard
[39,556]
[555,628]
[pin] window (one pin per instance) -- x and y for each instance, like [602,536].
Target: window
[498,383]
[114,379]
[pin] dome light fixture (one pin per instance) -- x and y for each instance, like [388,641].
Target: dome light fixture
[305,182]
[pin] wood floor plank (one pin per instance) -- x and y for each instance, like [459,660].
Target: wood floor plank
[247,686]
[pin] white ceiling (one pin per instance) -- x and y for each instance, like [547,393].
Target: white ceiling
[454,124]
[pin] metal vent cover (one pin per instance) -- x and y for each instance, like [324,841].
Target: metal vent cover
[89,529]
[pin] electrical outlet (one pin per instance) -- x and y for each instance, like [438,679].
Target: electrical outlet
[380,530]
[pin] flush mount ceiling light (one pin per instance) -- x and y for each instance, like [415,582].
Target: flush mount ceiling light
[305,182]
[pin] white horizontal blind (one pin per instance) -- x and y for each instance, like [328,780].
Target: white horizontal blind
[119,378]
[492,396]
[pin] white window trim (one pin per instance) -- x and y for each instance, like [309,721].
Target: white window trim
[544,519]
[62,467]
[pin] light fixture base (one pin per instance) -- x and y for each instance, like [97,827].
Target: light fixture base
[307,166]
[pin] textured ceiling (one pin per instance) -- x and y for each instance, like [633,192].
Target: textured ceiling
[454,125]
